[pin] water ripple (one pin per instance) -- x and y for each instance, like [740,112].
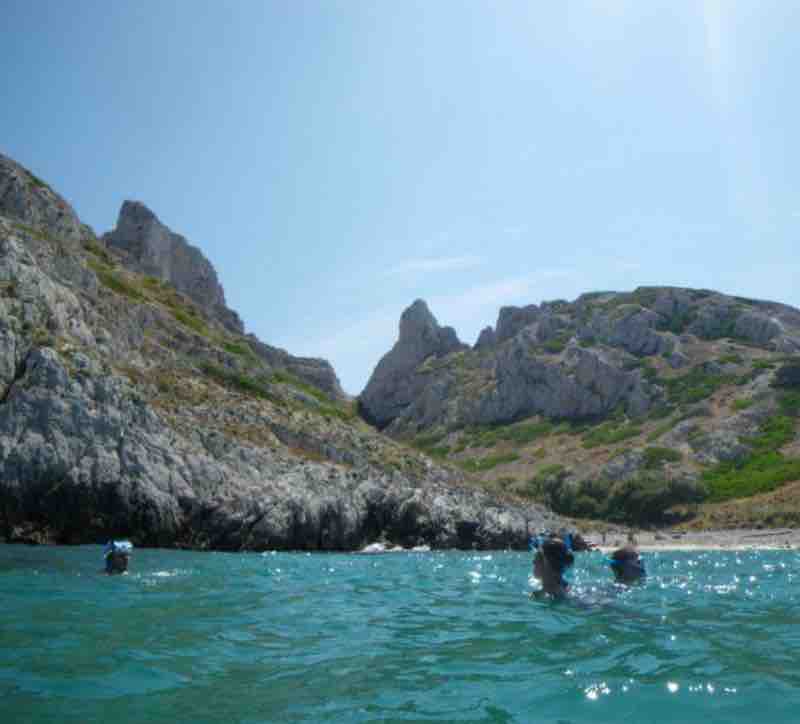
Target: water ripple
[708,637]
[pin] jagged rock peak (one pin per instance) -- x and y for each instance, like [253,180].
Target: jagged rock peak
[153,248]
[418,323]
[391,386]
[28,199]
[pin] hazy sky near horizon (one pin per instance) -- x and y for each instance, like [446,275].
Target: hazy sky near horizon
[337,159]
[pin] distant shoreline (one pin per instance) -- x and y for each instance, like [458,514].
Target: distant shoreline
[706,540]
[646,541]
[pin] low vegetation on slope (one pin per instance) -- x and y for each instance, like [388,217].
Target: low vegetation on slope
[727,430]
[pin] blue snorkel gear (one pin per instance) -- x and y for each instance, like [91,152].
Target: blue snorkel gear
[116,553]
[535,541]
[117,546]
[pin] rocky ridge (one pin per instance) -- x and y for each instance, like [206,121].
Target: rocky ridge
[615,397]
[153,249]
[131,404]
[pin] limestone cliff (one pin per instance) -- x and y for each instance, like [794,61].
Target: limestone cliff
[618,404]
[155,250]
[394,385]
[131,404]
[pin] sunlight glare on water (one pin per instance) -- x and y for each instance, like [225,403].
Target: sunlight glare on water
[213,637]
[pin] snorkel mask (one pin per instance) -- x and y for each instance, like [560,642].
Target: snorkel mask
[627,568]
[535,541]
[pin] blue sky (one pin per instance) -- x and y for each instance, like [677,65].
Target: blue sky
[338,159]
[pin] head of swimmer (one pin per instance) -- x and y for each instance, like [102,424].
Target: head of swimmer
[551,560]
[627,566]
[117,562]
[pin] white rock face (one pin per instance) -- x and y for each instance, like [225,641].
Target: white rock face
[393,386]
[153,249]
[29,200]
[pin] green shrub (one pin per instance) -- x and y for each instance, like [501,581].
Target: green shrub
[520,434]
[641,501]
[325,405]
[646,499]
[659,412]
[759,473]
[188,319]
[678,323]
[93,247]
[655,457]
[609,433]
[440,451]
[742,403]
[763,364]
[239,382]
[429,444]
[775,433]
[546,484]
[287,378]
[697,384]
[33,231]
[242,350]
[479,465]
[116,283]
[8,288]
[763,470]
[554,346]
[731,359]
[789,403]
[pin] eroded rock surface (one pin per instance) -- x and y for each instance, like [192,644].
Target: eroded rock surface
[135,407]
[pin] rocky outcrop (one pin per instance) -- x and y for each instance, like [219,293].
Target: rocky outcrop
[152,248]
[393,385]
[633,328]
[317,372]
[582,384]
[570,360]
[82,457]
[512,319]
[128,408]
[487,338]
[27,199]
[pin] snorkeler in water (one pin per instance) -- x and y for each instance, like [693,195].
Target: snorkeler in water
[626,565]
[553,557]
[117,554]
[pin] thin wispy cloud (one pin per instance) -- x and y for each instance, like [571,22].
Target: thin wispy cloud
[428,265]
[500,292]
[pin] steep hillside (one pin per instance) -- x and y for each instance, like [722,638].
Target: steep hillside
[132,404]
[640,407]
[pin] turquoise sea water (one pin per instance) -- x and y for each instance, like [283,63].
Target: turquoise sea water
[212,637]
